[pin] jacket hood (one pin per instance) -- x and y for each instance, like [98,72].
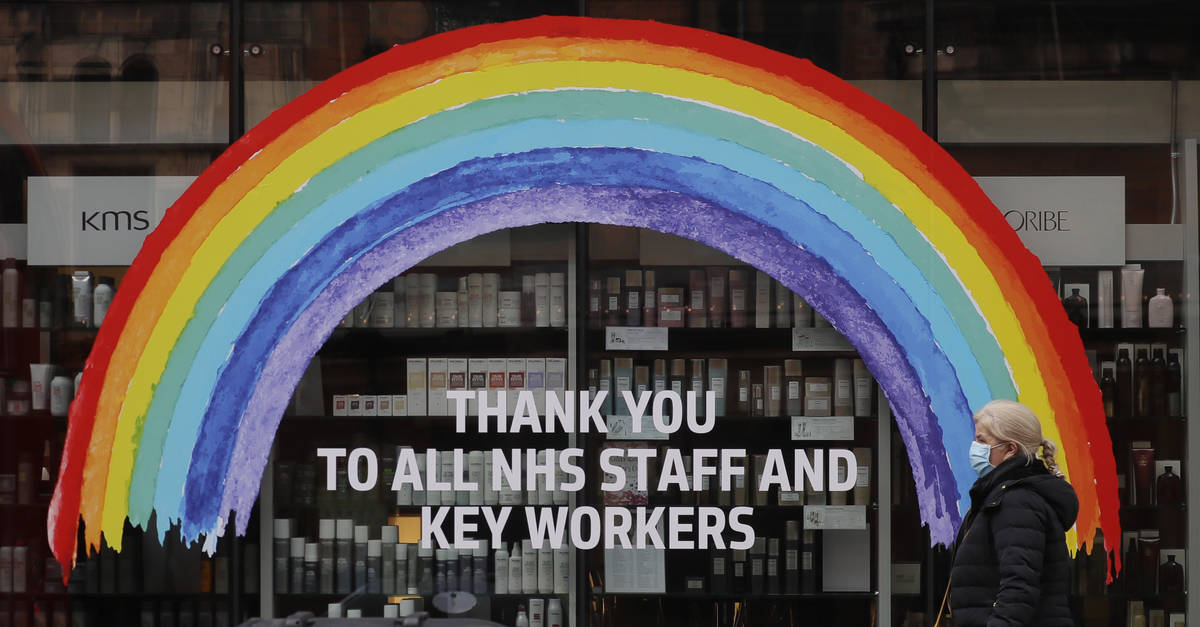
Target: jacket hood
[1059,494]
[1034,476]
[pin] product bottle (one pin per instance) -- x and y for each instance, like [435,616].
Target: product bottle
[554,617]
[1141,383]
[326,532]
[612,302]
[343,571]
[361,533]
[522,619]
[1169,487]
[1108,389]
[374,566]
[479,569]
[1124,402]
[296,565]
[501,570]
[81,291]
[1174,386]
[1158,381]
[439,578]
[425,565]
[10,295]
[45,487]
[529,567]
[1077,308]
[1170,577]
[1161,312]
[311,568]
[515,582]
[101,299]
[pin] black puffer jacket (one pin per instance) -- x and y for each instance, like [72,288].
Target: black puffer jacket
[1010,563]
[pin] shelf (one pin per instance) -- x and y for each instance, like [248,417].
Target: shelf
[685,340]
[368,342]
[706,596]
[1137,336]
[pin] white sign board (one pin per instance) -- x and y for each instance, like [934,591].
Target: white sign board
[635,338]
[1064,220]
[96,220]
[826,428]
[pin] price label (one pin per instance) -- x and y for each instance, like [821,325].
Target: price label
[815,428]
[821,517]
[819,339]
[635,338]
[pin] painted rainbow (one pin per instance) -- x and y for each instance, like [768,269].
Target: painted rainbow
[755,153]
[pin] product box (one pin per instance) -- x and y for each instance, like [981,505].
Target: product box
[864,388]
[718,376]
[340,406]
[1104,299]
[399,405]
[383,405]
[354,405]
[437,372]
[556,378]
[843,389]
[622,382]
[535,381]
[497,378]
[762,300]
[818,397]
[456,379]
[670,307]
[368,405]
[477,379]
[515,377]
[697,311]
[783,306]
[416,386]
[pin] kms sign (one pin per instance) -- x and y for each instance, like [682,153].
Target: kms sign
[96,220]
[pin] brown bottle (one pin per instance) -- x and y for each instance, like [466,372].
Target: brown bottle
[595,295]
[613,311]
[1169,487]
[1124,400]
[1141,384]
[743,393]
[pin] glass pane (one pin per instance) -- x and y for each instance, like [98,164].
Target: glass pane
[729,331]
[488,316]
[106,111]
[295,45]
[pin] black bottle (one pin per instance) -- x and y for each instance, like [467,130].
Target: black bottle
[1174,386]
[1124,400]
[1077,308]
[1141,383]
[1158,383]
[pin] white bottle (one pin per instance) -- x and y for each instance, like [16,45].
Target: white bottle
[529,567]
[554,613]
[11,287]
[562,570]
[545,576]
[101,299]
[1161,310]
[522,619]
[514,570]
[501,570]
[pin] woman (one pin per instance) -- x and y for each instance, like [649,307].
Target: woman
[1010,562]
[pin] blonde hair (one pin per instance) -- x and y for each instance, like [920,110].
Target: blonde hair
[1010,421]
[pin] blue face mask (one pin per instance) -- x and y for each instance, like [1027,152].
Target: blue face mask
[981,457]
